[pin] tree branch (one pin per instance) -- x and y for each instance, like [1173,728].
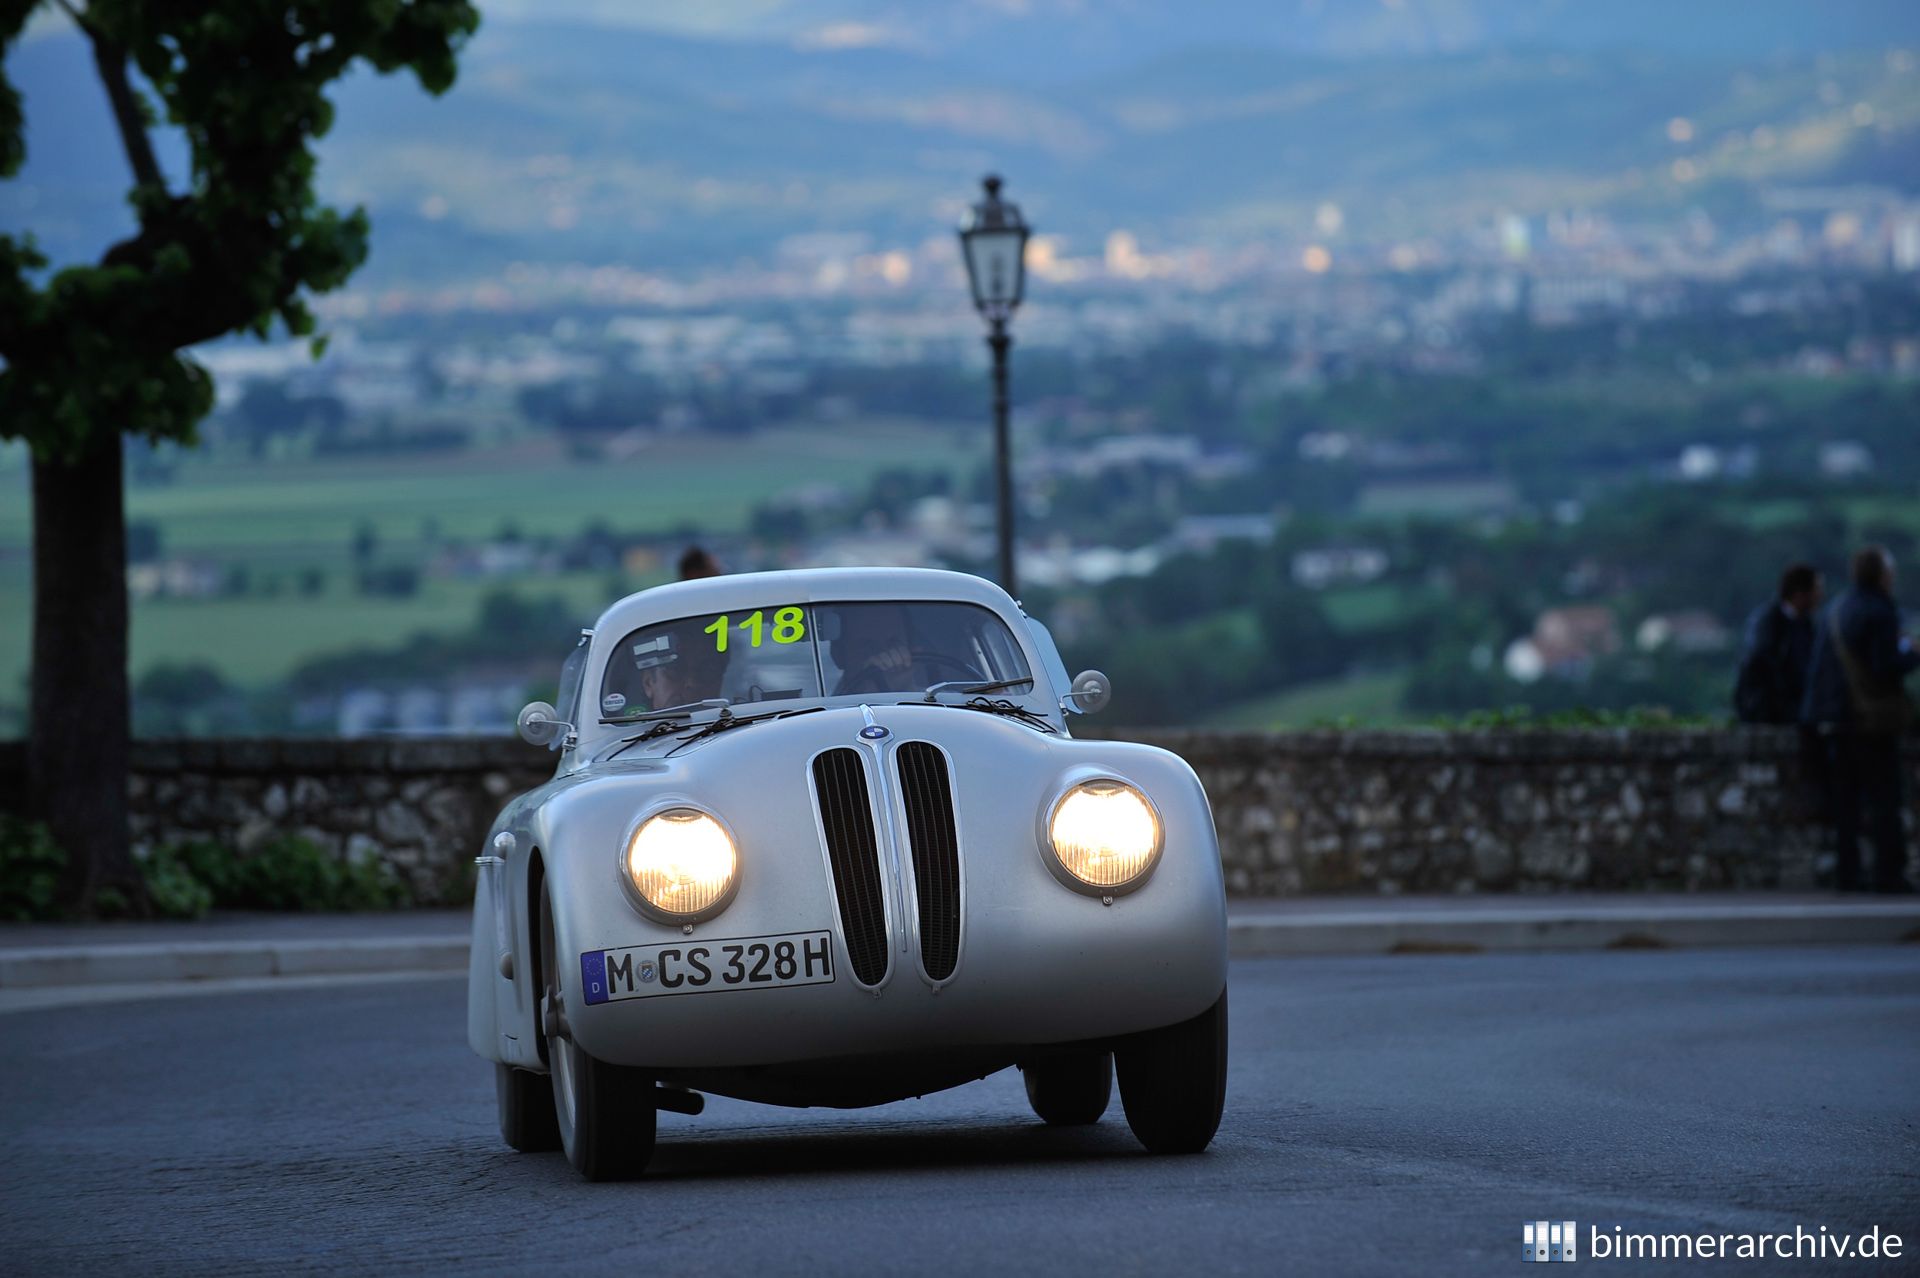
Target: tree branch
[111,59]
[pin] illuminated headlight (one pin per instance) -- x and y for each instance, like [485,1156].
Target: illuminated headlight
[682,863]
[1105,834]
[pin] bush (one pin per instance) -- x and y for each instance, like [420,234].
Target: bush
[173,891]
[290,873]
[185,880]
[30,867]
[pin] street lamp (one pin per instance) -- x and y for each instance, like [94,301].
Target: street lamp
[994,244]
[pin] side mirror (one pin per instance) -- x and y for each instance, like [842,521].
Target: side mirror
[539,723]
[1090,692]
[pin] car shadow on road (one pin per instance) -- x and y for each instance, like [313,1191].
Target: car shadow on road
[868,1147]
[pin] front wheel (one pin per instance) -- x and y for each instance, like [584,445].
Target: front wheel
[1070,1090]
[605,1112]
[1173,1082]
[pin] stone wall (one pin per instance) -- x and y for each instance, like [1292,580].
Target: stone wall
[1530,811]
[1412,811]
[424,806]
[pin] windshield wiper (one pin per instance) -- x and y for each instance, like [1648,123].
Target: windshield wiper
[659,729]
[975,685]
[727,720]
[1008,709]
[683,711]
[666,719]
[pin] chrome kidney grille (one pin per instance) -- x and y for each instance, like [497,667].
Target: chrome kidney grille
[846,816]
[926,788]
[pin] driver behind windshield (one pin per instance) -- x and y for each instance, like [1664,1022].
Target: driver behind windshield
[876,651]
[678,667]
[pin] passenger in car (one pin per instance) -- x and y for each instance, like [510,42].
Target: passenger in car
[679,666]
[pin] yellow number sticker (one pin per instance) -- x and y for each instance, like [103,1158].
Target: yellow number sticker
[789,626]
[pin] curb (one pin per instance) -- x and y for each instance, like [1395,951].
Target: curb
[1359,931]
[225,960]
[1573,928]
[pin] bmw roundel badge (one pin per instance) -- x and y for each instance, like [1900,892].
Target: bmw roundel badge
[875,732]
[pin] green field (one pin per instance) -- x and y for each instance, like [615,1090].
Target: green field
[278,518]
[703,479]
[1373,700]
[1352,609]
[254,641]
[1791,512]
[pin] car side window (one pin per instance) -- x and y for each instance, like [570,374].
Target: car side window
[573,674]
[1056,669]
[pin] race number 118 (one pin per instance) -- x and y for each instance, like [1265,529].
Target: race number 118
[789,626]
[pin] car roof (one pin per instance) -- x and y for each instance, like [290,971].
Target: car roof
[726,593]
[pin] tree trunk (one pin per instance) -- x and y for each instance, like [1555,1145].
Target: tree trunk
[79,730]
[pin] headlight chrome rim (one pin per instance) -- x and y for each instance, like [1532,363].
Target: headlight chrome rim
[623,866]
[1057,866]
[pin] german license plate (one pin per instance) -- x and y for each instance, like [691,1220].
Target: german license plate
[698,967]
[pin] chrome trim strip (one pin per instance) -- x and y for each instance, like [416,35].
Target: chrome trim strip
[886,799]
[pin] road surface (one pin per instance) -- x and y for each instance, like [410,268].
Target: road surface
[1385,1115]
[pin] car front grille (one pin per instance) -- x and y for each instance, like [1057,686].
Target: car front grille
[928,791]
[846,814]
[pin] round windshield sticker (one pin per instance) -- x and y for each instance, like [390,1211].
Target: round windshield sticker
[613,703]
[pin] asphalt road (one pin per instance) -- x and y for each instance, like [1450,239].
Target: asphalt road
[1385,1115]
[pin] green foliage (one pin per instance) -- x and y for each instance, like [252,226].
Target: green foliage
[173,891]
[245,243]
[30,867]
[1302,640]
[180,698]
[290,873]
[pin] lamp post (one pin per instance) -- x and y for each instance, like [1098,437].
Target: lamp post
[994,244]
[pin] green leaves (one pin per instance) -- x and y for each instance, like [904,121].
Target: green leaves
[30,867]
[247,243]
[287,873]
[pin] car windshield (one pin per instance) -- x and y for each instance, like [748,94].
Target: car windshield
[800,652]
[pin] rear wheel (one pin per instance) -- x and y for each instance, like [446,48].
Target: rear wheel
[525,1100]
[1070,1090]
[604,1112]
[1173,1082]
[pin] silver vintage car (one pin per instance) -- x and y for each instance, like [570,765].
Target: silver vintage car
[824,838]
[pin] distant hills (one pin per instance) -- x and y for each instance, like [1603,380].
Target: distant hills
[1059,41]
[1222,121]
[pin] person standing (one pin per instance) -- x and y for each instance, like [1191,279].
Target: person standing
[1779,644]
[1856,699]
[698,562]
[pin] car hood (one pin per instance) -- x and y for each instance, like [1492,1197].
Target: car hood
[759,773]
[810,731]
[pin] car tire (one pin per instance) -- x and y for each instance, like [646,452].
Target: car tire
[1173,1082]
[605,1113]
[527,1121]
[1070,1090]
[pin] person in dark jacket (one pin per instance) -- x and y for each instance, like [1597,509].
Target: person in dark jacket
[1779,643]
[699,562]
[1856,700]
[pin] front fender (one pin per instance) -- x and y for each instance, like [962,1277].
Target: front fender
[565,835]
